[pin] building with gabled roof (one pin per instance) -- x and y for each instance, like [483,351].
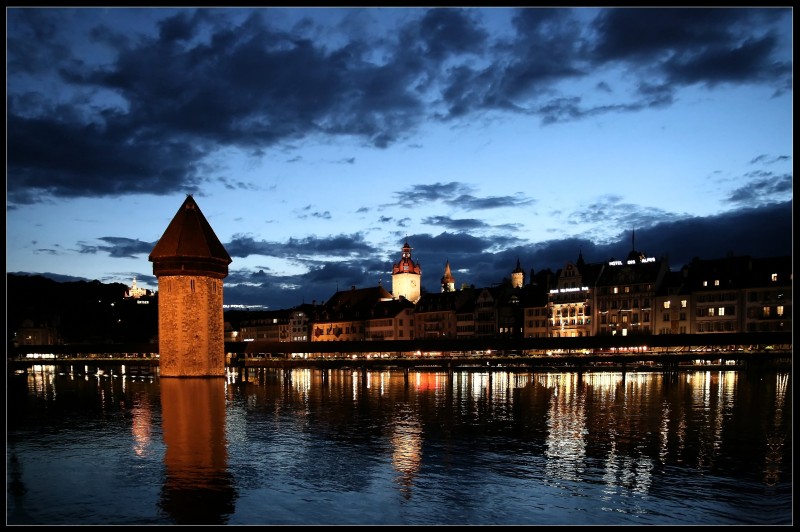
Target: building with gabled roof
[344,316]
[436,314]
[569,302]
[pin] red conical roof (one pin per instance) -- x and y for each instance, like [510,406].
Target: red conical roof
[189,246]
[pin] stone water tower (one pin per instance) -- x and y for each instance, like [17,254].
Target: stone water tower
[190,262]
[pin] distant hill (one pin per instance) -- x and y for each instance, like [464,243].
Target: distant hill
[81,311]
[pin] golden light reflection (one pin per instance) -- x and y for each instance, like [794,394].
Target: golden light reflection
[566,422]
[776,438]
[406,442]
[142,414]
[40,381]
[428,381]
[198,488]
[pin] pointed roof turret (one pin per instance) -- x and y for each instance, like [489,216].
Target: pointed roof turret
[448,281]
[189,246]
[448,276]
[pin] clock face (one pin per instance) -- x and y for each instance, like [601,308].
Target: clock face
[413,284]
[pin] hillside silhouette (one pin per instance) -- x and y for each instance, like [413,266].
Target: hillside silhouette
[80,311]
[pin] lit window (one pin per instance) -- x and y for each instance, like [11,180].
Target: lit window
[627,289]
[716,282]
[774,277]
[710,311]
[721,311]
[705,283]
[780,310]
[766,312]
[616,290]
[683,303]
[666,304]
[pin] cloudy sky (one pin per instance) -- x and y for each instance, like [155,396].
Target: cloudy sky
[317,141]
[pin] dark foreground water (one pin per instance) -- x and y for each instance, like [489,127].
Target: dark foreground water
[383,448]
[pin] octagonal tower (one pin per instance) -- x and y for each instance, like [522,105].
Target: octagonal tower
[190,262]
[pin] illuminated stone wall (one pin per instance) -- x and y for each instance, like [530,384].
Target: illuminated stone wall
[191,326]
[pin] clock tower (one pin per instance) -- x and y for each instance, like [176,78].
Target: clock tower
[406,277]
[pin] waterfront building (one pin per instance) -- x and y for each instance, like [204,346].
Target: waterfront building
[569,302]
[267,326]
[436,314]
[718,288]
[391,320]
[768,296]
[625,292]
[190,263]
[406,277]
[344,316]
[35,334]
[299,322]
[673,305]
[536,311]
[485,313]
[465,313]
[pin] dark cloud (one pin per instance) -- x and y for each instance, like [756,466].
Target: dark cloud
[472,203]
[762,190]
[300,248]
[611,211]
[695,45]
[144,117]
[458,224]
[152,112]
[118,247]
[765,231]
[422,193]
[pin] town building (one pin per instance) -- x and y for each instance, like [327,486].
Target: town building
[406,277]
[569,302]
[625,292]
[344,316]
[135,292]
[768,296]
[718,289]
[391,320]
[436,315]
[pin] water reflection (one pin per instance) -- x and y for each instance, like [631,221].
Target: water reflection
[198,488]
[406,441]
[399,447]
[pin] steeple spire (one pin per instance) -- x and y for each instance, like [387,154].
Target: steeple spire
[448,281]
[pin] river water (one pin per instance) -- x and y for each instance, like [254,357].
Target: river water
[353,447]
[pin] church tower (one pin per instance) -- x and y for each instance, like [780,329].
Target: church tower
[518,276]
[448,281]
[406,277]
[190,262]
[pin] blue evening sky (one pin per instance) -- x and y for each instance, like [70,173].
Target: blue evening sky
[316,141]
